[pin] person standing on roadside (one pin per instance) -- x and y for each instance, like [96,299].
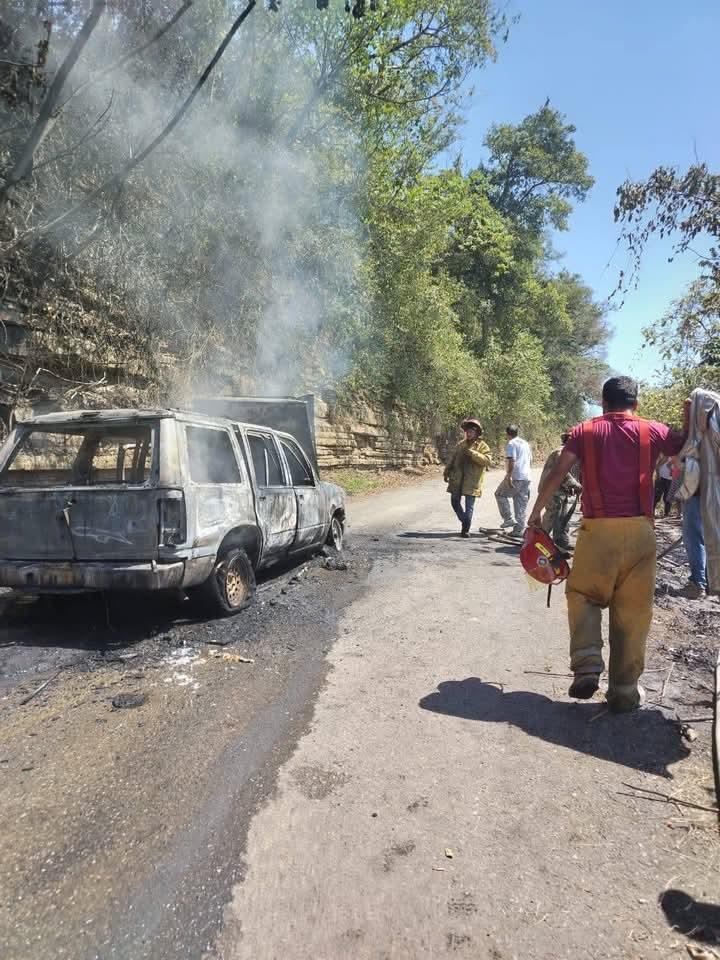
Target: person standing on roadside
[515,486]
[465,472]
[694,543]
[663,483]
[616,549]
[559,511]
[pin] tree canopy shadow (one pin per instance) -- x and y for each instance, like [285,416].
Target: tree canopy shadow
[497,546]
[645,740]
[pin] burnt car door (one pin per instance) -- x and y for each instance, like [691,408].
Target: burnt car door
[218,493]
[276,504]
[310,501]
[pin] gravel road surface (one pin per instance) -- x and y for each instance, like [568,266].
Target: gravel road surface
[398,773]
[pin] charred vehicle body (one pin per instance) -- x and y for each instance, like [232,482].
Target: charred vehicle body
[158,499]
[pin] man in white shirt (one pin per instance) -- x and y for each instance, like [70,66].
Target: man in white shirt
[516,484]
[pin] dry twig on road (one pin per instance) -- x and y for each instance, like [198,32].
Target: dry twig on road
[545,673]
[667,550]
[665,683]
[657,797]
[31,696]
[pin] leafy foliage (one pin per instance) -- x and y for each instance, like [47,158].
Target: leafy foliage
[685,207]
[688,339]
[295,230]
[535,170]
[518,387]
[688,335]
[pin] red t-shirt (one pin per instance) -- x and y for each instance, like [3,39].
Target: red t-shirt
[617,454]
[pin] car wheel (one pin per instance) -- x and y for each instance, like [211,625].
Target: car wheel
[230,588]
[337,533]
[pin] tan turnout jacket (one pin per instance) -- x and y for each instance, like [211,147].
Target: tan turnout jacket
[465,470]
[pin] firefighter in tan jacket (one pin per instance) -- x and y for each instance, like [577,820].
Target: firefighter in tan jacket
[465,471]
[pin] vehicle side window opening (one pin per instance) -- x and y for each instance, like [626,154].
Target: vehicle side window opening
[211,457]
[82,456]
[300,471]
[243,451]
[268,469]
[276,477]
[257,452]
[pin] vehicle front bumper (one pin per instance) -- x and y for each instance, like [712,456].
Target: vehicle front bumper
[58,576]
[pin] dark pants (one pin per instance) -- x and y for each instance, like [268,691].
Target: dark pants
[464,516]
[556,519]
[662,492]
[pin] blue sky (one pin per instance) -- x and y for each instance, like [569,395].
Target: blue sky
[639,80]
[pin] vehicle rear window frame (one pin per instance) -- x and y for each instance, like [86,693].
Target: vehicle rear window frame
[80,428]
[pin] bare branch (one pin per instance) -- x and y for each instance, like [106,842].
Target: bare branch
[24,162]
[118,178]
[93,130]
[131,54]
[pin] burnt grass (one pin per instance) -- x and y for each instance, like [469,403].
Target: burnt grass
[683,639]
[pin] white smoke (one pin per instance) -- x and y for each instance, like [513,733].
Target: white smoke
[237,245]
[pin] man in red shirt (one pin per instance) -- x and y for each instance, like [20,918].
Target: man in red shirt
[614,562]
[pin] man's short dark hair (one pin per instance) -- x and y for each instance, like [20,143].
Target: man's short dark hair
[512,430]
[620,393]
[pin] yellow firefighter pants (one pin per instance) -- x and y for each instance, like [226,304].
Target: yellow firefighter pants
[614,567]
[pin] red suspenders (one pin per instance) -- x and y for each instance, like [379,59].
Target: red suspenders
[590,476]
[591,480]
[647,498]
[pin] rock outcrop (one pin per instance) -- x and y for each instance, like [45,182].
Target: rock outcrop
[353,432]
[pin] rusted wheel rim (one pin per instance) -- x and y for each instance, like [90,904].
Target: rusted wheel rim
[337,533]
[236,589]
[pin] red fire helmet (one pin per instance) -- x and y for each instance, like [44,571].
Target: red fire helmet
[541,559]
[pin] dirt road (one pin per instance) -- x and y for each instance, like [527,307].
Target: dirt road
[385,780]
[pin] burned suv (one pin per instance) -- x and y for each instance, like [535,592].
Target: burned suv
[155,499]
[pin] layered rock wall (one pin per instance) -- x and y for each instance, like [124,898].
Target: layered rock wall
[356,433]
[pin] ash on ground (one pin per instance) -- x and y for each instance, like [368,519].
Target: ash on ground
[684,637]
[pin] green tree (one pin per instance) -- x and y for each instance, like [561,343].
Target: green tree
[294,231]
[481,256]
[517,388]
[535,170]
[684,207]
[688,339]
[576,348]
[414,348]
[533,173]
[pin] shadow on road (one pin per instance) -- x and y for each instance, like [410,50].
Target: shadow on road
[644,740]
[429,535]
[99,621]
[695,919]
[494,547]
[92,621]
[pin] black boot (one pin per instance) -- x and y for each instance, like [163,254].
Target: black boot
[584,686]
